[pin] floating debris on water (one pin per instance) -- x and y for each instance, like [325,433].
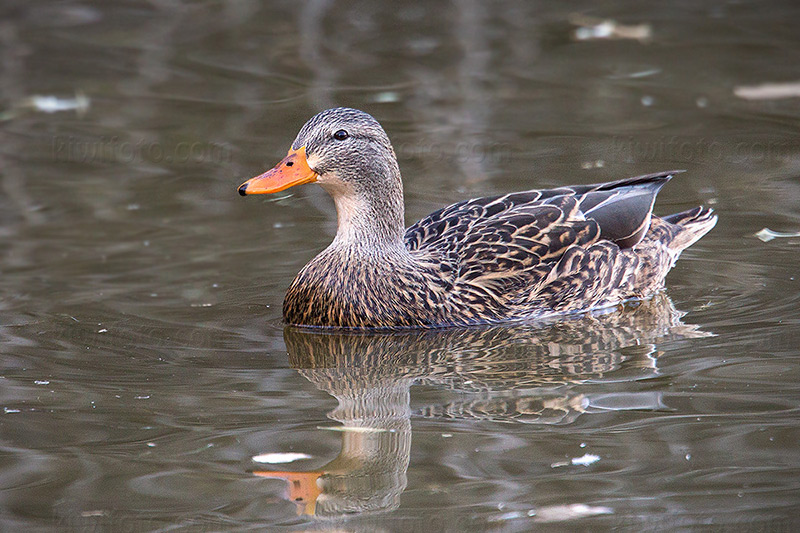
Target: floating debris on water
[511,516]
[386,97]
[599,163]
[559,513]
[768,91]
[47,104]
[595,28]
[279,458]
[585,460]
[635,75]
[554,513]
[767,234]
[54,104]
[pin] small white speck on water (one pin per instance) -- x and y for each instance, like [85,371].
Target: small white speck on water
[103,330]
[446,435]
[585,460]
[143,397]
[688,456]
[702,101]
[386,97]
[278,458]
[506,516]
[42,382]
[151,444]
[598,163]
[583,445]
[647,101]
[6,410]
[53,104]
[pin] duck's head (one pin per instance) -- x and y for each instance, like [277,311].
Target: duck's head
[347,152]
[339,148]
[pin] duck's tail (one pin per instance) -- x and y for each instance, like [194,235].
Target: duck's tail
[693,224]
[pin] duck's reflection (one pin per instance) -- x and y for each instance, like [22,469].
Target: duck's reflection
[509,373]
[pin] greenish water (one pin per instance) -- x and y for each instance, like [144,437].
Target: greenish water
[145,370]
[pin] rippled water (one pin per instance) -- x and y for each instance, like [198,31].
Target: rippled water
[145,370]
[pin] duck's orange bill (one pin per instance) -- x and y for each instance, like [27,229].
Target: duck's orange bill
[292,170]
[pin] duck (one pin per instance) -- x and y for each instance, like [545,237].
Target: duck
[521,256]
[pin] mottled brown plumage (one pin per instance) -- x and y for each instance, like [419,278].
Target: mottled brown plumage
[518,256]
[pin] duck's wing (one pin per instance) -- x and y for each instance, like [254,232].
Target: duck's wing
[621,209]
[507,242]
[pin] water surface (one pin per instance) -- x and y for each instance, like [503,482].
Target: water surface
[144,362]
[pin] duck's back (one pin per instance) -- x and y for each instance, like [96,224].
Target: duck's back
[537,253]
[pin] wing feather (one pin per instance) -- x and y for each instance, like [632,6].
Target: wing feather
[552,245]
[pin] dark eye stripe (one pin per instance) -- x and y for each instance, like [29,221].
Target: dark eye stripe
[341,135]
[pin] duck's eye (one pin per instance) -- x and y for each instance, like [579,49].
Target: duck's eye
[341,135]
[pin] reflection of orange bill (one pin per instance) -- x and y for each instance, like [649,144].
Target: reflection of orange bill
[292,170]
[303,488]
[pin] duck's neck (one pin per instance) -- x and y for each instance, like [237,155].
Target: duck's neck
[370,219]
